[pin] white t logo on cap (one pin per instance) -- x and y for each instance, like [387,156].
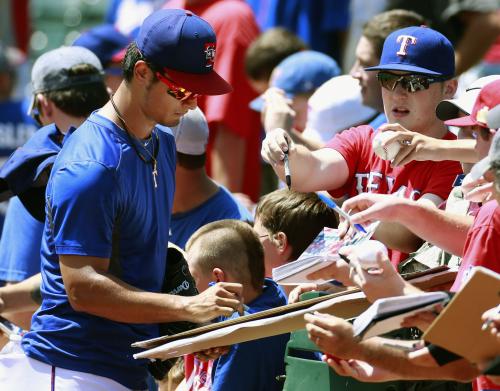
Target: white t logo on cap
[405,41]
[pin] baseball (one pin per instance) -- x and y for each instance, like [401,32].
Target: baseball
[389,151]
[367,253]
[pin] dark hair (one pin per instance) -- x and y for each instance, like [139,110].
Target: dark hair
[81,100]
[132,55]
[191,162]
[268,50]
[301,216]
[381,25]
[231,245]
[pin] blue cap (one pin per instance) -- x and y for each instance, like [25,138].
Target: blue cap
[183,46]
[418,50]
[105,41]
[300,72]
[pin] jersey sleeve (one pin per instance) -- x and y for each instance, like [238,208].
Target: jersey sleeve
[444,176]
[351,145]
[82,207]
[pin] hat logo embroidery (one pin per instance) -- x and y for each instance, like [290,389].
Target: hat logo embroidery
[405,40]
[209,54]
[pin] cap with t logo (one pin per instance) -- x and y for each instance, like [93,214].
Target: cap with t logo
[420,50]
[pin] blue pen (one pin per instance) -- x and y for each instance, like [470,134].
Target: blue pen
[336,208]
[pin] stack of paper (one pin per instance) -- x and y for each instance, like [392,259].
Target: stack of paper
[386,315]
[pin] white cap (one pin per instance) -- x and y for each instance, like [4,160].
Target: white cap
[335,106]
[191,134]
[449,108]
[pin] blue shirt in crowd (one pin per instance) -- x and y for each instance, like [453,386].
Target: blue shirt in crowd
[102,202]
[222,205]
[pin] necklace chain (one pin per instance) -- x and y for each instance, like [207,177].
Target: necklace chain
[153,156]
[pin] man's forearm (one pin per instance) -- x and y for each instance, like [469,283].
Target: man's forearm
[106,296]
[457,150]
[422,220]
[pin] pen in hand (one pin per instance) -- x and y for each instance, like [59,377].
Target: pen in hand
[346,216]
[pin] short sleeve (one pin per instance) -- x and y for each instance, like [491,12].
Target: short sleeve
[81,207]
[350,144]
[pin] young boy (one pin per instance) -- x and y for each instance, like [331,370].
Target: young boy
[230,251]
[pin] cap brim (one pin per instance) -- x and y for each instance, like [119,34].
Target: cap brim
[31,105]
[403,67]
[462,121]
[480,168]
[200,83]
[493,117]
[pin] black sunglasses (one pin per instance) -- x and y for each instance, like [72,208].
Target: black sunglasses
[411,83]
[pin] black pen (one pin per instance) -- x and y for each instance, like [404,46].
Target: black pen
[288,177]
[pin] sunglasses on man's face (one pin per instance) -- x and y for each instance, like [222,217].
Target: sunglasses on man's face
[174,90]
[482,132]
[411,83]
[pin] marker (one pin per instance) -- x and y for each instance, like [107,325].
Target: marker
[346,216]
[288,177]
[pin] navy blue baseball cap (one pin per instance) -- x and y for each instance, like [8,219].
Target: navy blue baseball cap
[182,45]
[299,73]
[105,41]
[419,50]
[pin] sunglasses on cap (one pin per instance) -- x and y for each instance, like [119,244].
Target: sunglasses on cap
[174,90]
[411,83]
[482,132]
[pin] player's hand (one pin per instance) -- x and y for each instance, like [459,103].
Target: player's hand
[274,146]
[413,145]
[277,112]
[479,190]
[222,299]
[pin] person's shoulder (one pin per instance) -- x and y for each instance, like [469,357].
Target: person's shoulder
[235,9]
[94,140]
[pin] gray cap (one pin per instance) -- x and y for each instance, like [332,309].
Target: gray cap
[191,135]
[493,159]
[50,71]
[449,108]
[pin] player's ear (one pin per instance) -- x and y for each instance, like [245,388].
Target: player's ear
[281,241]
[218,275]
[450,87]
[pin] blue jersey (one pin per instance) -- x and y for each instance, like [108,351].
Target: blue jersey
[254,365]
[101,201]
[220,206]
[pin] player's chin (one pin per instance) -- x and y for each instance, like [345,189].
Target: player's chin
[171,121]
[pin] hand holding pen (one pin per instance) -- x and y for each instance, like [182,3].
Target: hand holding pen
[347,217]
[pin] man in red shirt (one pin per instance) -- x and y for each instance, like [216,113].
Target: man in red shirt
[415,71]
[233,147]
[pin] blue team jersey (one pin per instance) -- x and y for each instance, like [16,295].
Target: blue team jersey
[101,201]
[220,206]
[254,365]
